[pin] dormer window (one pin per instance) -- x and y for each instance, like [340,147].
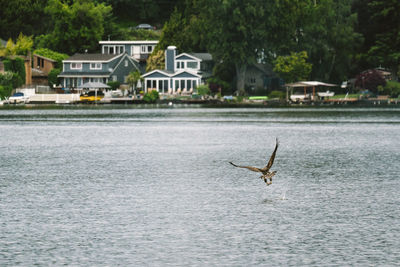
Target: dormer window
[76,66]
[95,66]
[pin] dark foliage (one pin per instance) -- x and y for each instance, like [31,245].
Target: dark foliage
[370,80]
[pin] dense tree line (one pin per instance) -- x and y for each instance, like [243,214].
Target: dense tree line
[340,38]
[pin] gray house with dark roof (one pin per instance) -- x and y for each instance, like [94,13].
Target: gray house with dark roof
[82,68]
[182,73]
[139,50]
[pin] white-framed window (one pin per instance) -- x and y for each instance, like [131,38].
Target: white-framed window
[192,65]
[180,64]
[114,78]
[95,66]
[147,49]
[126,63]
[113,49]
[76,66]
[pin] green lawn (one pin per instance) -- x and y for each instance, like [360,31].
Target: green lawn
[342,96]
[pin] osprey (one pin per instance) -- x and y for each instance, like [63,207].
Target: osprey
[266,174]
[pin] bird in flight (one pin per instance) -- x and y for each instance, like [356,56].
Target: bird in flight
[266,174]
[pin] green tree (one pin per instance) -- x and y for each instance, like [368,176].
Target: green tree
[16,66]
[45,52]
[6,84]
[133,78]
[21,47]
[235,32]
[53,77]
[114,84]
[156,61]
[294,67]
[26,16]
[327,33]
[77,27]
[386,47]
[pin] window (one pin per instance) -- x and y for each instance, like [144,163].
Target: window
[114,78]
[125,79]
[143,49]
[95,66]
[76,66]
[149,48]
[192,65]
[126,63]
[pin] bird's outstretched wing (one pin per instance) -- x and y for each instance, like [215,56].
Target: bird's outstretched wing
[271,159]
[254,169]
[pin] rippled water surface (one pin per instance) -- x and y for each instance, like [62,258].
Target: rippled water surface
[153,187]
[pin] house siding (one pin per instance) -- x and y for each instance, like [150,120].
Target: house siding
[121,71]
[43,64]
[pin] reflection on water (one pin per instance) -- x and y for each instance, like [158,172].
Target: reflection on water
[153,187]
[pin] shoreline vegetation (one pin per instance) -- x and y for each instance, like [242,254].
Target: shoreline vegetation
[213,103]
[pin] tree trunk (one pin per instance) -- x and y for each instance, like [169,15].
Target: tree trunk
[395,74]
[240,78]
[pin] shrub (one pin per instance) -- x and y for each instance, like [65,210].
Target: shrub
[277,94]
[114,85]
[59,57]
[5,91]
[391,88]
[10,79]
[217,85]
[53,79]
[151,97]
[203,90]
[17,66]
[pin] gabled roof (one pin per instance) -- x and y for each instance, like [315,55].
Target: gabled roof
[195,56]
[46,58]
[202,56]
[91,57]
[185,74]
[185,56]
[164,73]
[134,62]
[264,68]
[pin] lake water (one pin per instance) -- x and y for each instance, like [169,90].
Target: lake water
[153,187]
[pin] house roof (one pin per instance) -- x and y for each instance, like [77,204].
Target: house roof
[202,56]
[91,57]
[264,68]
[46,58]
[38,73]
[162,72]
[84,74]
[129,42]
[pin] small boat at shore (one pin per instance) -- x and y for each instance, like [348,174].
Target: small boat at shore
[326,94]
